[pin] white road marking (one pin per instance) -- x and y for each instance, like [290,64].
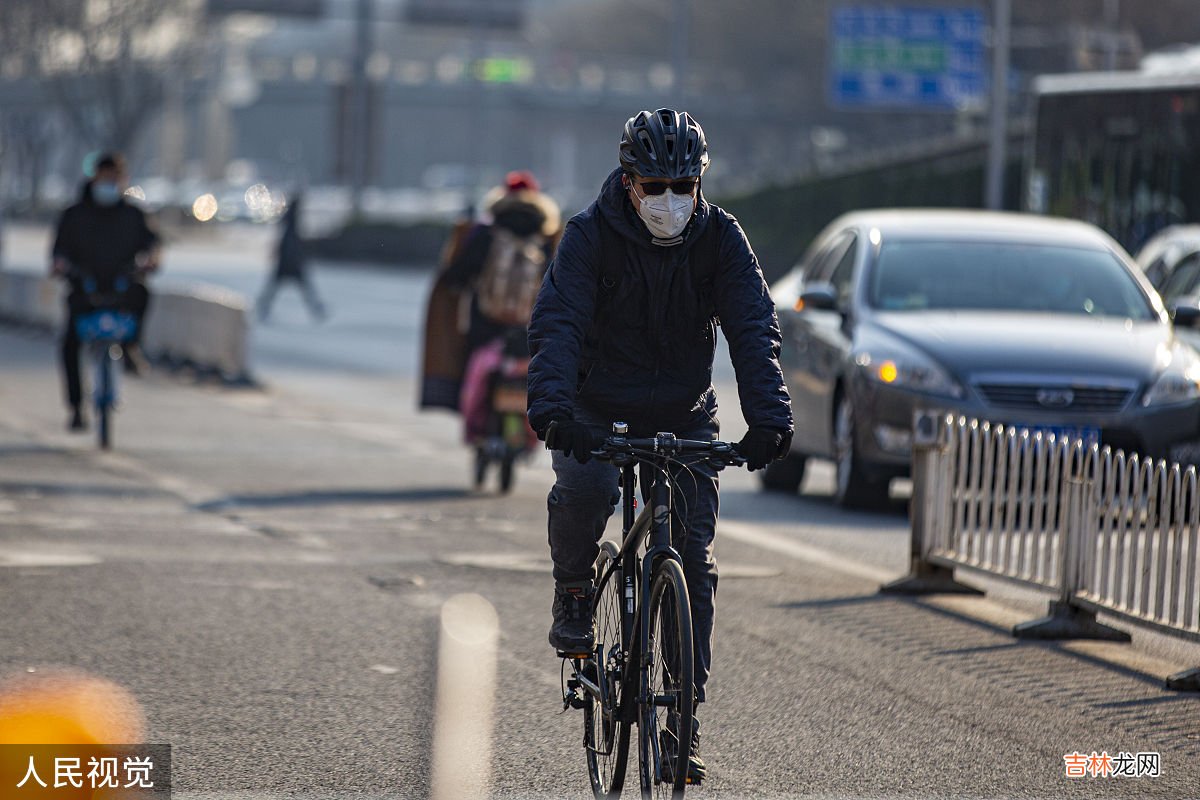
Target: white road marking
[30,558]
[190,491]
[199,494]
[752,535]
[464,701]
[384,669]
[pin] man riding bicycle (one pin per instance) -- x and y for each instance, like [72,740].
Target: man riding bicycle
[107,240]
[624,328]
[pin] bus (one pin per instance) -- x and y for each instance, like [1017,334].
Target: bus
[1118,149]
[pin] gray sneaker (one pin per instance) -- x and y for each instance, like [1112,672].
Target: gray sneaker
[571,633]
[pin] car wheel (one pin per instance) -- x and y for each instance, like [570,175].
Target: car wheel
[853,488]
[784,475]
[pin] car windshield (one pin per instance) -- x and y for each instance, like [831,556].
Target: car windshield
[1003,276]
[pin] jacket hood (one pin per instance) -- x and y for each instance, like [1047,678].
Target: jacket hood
[524,211]
[613,203]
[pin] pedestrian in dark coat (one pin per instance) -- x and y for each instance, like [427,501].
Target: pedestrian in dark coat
[291,265]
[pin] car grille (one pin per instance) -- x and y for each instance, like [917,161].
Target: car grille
[1097,399]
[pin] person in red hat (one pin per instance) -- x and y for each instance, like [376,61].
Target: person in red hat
[491,272]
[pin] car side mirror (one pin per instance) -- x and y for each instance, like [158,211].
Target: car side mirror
[1185,313]
[818,297]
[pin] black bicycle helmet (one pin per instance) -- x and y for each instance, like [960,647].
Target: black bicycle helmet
[664,144]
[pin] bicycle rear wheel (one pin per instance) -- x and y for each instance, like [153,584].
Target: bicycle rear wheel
[104,397]
[665,721]
[605,737]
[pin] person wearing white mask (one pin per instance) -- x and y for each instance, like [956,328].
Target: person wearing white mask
[624,329]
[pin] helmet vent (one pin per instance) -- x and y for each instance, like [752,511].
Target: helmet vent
[647,143]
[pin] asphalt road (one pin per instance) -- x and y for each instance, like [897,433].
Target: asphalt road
[264,569]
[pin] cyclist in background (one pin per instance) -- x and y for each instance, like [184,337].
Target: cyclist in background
[624,329]
[490,275]
[102,237]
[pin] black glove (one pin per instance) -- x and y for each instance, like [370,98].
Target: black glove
[761,446]
[573,438]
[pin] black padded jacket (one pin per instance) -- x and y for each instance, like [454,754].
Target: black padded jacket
[641,351]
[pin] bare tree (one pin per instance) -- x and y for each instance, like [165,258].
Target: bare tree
[26,141]
[104,62]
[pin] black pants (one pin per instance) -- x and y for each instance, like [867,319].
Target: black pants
[584,496]
[315,307]
[135,300]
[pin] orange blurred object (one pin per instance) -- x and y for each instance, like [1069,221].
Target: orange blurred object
[63,707]
[67,707]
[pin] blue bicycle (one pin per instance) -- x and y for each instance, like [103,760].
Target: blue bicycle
[104,330]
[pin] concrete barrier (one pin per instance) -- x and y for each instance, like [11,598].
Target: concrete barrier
[202,327]
[30,300]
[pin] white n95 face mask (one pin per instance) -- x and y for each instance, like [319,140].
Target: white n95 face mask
[666,214]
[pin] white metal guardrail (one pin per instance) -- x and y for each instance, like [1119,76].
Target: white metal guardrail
[1142,559]
[1103,530]
[204,326]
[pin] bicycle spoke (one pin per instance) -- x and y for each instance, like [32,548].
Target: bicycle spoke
[605,737]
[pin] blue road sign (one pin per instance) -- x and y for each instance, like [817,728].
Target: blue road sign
[903,57]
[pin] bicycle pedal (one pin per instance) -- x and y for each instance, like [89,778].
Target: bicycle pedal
[573,697]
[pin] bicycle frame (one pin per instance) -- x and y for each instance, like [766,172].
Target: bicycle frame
[652,524]
[633,572]
[626,662]
[103,330]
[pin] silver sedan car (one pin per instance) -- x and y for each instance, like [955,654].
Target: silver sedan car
[1012,318]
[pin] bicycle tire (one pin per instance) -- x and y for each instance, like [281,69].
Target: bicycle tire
[104,400]
[607,739]
[668,688]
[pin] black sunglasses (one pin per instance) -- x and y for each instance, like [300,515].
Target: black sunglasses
[685,186]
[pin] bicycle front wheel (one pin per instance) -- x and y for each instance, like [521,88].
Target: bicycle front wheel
[668,689]
[606,737]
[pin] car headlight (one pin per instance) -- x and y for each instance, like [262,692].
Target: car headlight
[909,371]
[1175,385]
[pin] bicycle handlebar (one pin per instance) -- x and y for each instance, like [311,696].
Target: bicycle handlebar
[90,284]
[667,445]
